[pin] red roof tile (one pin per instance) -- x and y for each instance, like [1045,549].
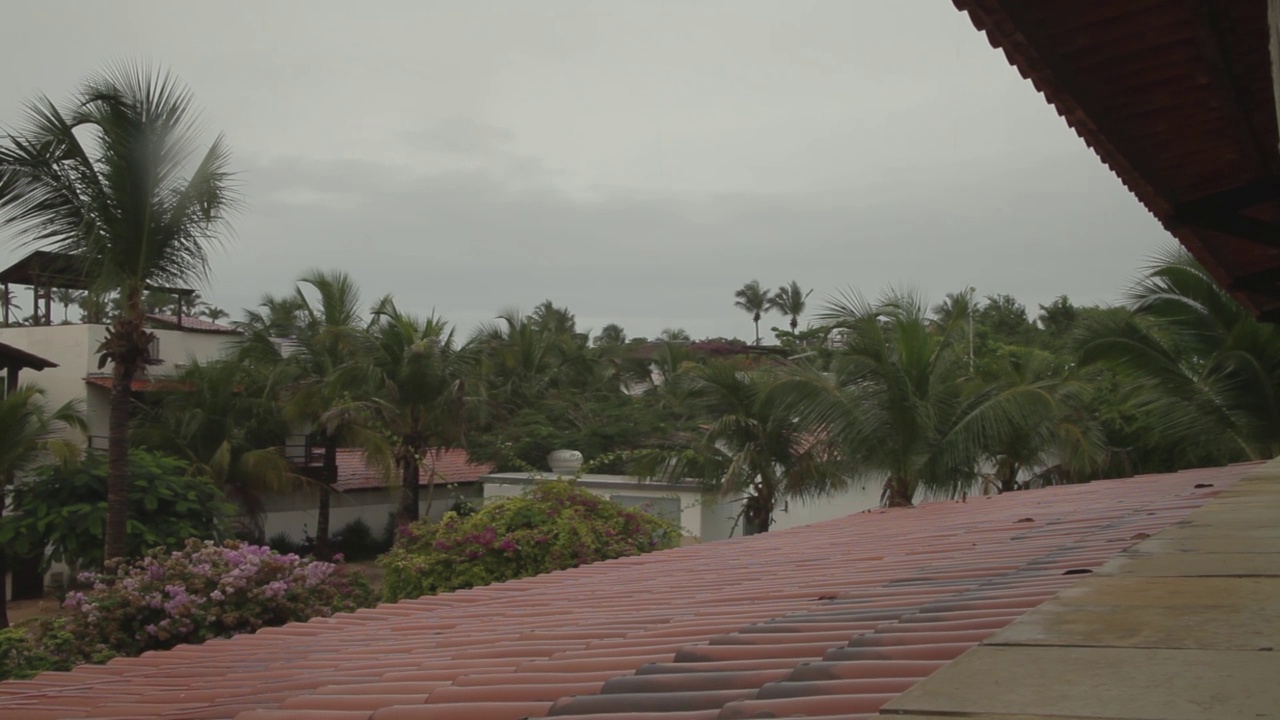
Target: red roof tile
[829,620]
[448,467]
[140,384]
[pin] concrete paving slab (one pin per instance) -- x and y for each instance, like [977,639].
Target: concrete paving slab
[1143,564]
[1210,544]
[1216,613]
[1104,683]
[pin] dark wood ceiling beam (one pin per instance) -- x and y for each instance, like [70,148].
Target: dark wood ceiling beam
[1213,33]
[1264,282]
[1237,198]
[1065,76]
[1242,227]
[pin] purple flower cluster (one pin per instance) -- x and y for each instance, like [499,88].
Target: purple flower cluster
[207,590]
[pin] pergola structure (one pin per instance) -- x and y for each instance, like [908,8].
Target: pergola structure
[1179,98]
[45,271]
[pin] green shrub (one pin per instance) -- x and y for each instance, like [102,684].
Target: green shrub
[283,543]
[553,526]
[65,509]
[204,591]
[357,542]
[48,645]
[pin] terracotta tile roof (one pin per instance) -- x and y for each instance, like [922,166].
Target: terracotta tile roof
[824,621]
[140,384]
[192,324]
[355,472]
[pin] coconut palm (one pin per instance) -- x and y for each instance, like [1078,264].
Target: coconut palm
[1208,370]
[28,436]
[610,335]
[754,300]
[790,300]
[223,423]
[66,298]
[311,372]
[422,397]
[897,405]
[674,335]
[1061,442]
[750,446]
[104,182]
[213,313]
[8,300]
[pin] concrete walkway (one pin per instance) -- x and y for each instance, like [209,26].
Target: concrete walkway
[1185,625]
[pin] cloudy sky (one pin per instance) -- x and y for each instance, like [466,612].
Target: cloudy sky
[637,161]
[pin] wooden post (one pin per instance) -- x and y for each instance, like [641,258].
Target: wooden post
[48,305]
[1273,21]
[6,304]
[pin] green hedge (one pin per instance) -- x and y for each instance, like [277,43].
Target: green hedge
[553,526]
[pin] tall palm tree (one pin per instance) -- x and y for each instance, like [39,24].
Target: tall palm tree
[611,335]
[754,300]
[8,300]
[66,298]
[790,300]
[674,335]
[104,182]
[312,374]
[1061,442]
[228,429]
[422,397]
[213,313]
[897,404]
[1210,371]
[750,447]
[27,437]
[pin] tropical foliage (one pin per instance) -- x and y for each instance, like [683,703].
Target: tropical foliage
[64,509]
[552,526]
[104,181]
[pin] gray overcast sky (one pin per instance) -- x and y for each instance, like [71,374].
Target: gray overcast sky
[637,161]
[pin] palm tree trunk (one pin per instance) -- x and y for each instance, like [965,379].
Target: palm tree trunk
[322,515]
[1009,477]
[116,545]
[4,563]
[410,474]
[897,492]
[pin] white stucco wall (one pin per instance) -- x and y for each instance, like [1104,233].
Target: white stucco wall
[296,513]
[501,485]
[859,496]
[75,349]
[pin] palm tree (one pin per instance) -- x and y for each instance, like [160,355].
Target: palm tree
[610,335]
[897,405]
[8,300]
[121,205]
[1208,370]
[423,394]
[312,373]
[66,298]
[27,437]
[213,313]
[790,300]
[228,429]
[750,446]
[1061,442]
[674,335]
[754,300]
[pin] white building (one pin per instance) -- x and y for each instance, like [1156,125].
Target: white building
[702,516]
[75,349]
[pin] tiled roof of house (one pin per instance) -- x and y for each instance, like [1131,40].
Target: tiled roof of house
[355,472]
[191,323]
[825,621]
[141,384]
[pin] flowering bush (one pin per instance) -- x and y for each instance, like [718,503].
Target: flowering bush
[204,591]
[553,526]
